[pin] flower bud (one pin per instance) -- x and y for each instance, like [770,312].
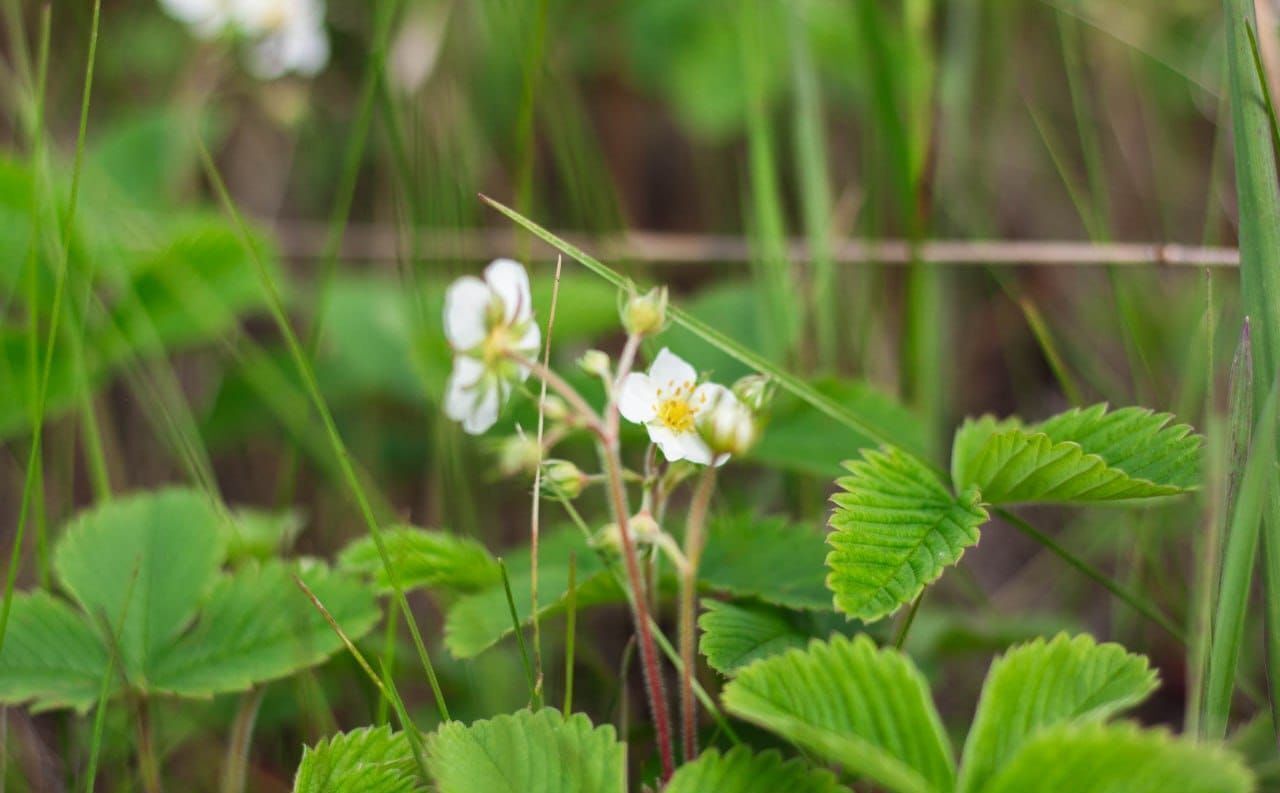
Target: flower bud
[518,454]
[595,363]
[755,391]
[728,426]
[644,529]
[562,479]
[645,315]
[554,408]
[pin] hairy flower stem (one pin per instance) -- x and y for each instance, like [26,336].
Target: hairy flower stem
[694,539]
[611,460]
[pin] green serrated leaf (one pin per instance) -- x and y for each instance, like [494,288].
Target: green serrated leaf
[367,760]
[1119,759]
[735,634]
[52,658]
[766,558]
[896,526]
[527,752]
[853,704]
[258,534]
[424,558]
[1081,456]
[258,625]
[740,771]
[148,558]
[1043,684]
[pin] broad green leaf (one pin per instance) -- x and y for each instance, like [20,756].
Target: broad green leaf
[800,438]
[424,558]
[52,658]
[895,527]
[1043,684]
[867,709]
[143,562]
[740,771]
[766,558]
[258,625]
[258,534]
[478,621]
[367,760]
[1083,455]
[1119,759]
[527,752]
[735,634]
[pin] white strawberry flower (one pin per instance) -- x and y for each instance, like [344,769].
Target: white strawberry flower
[206,18]
[288,36]
[669,403]
[487,322]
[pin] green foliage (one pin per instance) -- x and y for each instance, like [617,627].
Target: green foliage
[769,559]
[896,526]
[424,558]
[1044,684]
[853,704]
[258,534]
[145,572]
[1119,759]
[1079,456]
[527,752]
[740,771]
[368,760]
[735,634]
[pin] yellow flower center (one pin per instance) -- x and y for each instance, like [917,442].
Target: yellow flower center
[674,410]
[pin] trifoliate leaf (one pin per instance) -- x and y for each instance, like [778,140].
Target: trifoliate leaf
[867,709]
[1043,684]
[527,752]
[424,558]
[735,634]
[258,625]
[896,526]
[368,760]
[740,771]
[1080,456]
[766,558]
[146,559]
[51,658]
[1118,759]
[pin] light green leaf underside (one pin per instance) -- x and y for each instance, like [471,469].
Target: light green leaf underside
[258,625]
[1081,456]
[423,558]
[867,709]
[146,558]
[1119,759]
[895,528]
[51,658]
[768,559]
[527,752]
[735,634]
[478,621]
[740,771]
[368,760]
[1043,684]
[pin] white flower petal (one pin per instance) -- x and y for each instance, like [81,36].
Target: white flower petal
[693,449]
[636,398]
[530,342]
[671,368]
[465,306]
[708,395]
[667,441]
[484,412]
[460,391]
[509,280]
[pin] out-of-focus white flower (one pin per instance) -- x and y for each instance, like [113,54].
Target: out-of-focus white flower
[206,18]
[668,401]
[486,321]
[288,36]
[728,426]
[418,45]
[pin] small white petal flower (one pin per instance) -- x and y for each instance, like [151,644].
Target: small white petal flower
[289,36]
[206,18]
[486,322]
[668,402]
[728,426]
